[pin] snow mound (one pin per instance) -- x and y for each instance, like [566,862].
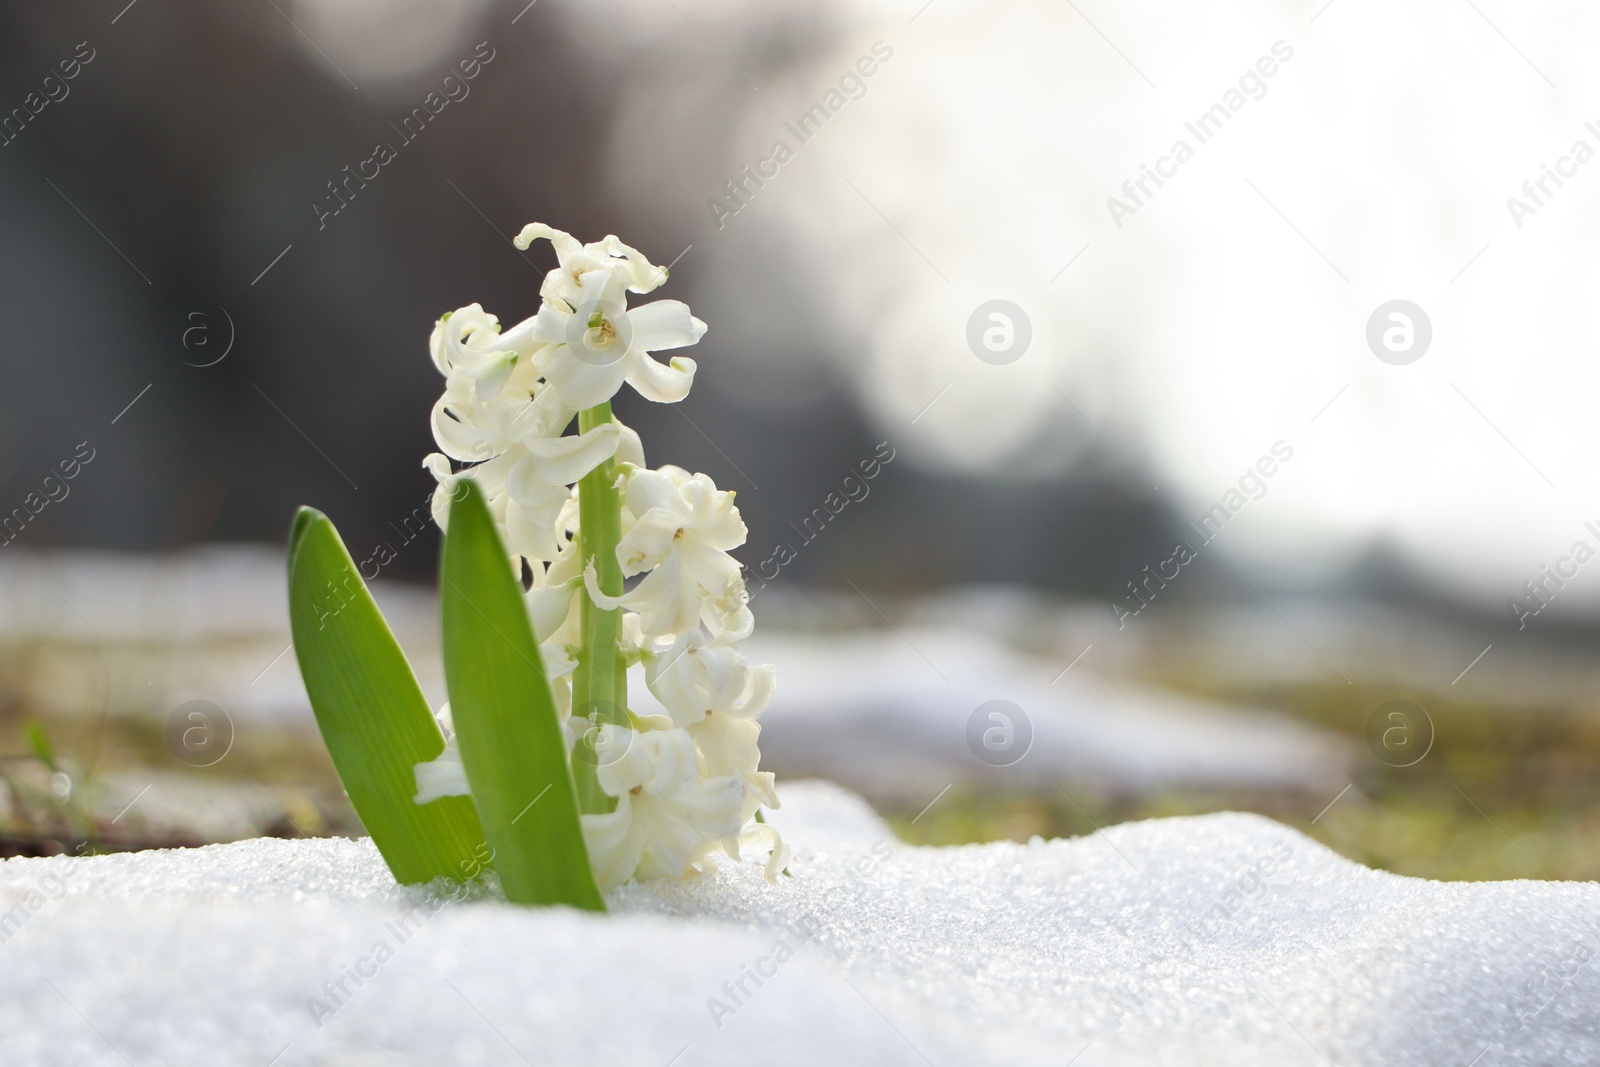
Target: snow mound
[1224,939]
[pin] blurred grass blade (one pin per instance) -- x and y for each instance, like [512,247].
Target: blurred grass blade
[40,742]
[373,716]
[511,741]
[74,803]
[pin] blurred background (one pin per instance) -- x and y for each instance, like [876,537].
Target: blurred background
[1104,295]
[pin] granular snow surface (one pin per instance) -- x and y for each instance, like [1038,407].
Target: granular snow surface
[1224,939]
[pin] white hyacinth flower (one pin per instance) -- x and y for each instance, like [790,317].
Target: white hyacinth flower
[466,344]
[586,340]
[728,745]
[687,784]
[524,467]
[577,259]
[694,677]
[683,529]
[708,688]
[668,815]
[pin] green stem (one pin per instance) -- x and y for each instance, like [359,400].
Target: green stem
[600,682]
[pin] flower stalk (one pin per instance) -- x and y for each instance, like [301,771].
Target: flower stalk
[600,680]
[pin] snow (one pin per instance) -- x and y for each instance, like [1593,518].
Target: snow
[1224,939]
[844,700]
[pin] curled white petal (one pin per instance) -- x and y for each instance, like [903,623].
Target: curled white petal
[630,450]
[466,342]
[549,606]
[760,684]
[643,276]
[648,490]
[614,844]
[443,776]
[591,584]
[663,324]
[649,541]
[764,836]
[582,383]
[659,382]
[565,244]
[563,460]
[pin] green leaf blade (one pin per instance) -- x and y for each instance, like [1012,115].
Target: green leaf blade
[511,740]
[372,713]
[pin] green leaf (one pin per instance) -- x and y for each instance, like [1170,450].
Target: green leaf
[39,741]
[373,716]
[511,740]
